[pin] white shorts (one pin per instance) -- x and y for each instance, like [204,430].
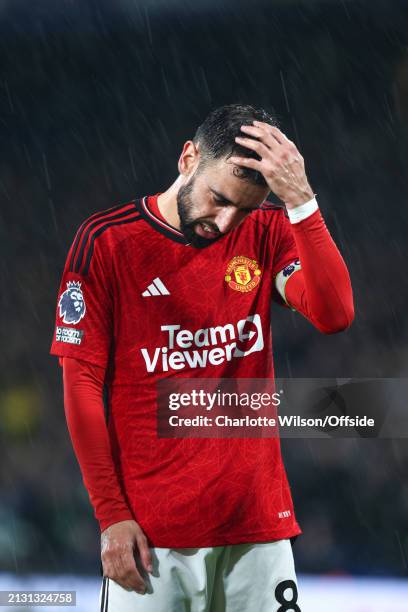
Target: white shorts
[236,578]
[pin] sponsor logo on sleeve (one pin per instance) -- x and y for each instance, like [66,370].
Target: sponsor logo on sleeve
[68,335]
[72,304]
[291,268]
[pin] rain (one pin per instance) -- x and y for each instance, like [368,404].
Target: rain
[97,100]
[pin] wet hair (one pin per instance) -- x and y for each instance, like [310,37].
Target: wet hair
[216,136]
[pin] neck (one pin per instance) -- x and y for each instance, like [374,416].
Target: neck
[167,203]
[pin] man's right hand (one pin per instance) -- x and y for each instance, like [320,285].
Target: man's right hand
[119,544]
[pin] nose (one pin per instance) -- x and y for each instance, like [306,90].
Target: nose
[228,218]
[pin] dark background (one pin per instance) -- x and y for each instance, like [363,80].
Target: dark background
[96,101]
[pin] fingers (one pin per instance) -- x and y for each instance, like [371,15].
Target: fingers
[271,144]
[277,134]
[271,136]
[246,162]
[119,545]
[264,132]
[255,145]
[119,564]
[144,552]
[280,163]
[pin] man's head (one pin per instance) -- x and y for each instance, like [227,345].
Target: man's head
[216,195]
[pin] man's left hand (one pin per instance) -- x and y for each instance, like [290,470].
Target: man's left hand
[281,164]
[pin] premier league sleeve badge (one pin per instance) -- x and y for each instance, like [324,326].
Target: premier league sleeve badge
[72,304]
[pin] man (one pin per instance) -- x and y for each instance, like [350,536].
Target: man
[179,285]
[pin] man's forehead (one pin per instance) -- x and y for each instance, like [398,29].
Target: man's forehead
[222,177]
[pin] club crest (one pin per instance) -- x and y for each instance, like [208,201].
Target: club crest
[242,274]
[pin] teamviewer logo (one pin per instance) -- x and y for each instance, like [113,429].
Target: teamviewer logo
[250,336]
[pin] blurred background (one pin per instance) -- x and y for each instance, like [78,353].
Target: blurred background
[96,101]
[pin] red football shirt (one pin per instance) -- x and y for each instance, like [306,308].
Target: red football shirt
[136,298]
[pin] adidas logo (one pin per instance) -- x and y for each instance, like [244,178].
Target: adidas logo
[156,288]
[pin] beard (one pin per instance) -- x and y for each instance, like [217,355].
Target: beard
[187,221]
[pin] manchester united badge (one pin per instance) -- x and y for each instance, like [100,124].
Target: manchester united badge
[242,274]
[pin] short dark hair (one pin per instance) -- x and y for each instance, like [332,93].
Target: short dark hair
[216,135]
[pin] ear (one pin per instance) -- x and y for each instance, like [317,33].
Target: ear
[189,158]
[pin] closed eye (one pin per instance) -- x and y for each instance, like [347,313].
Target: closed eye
[225,203]
[222,202]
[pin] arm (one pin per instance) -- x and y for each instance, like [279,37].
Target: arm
[82,341]
[321,291]
[319,288]
[84,410]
